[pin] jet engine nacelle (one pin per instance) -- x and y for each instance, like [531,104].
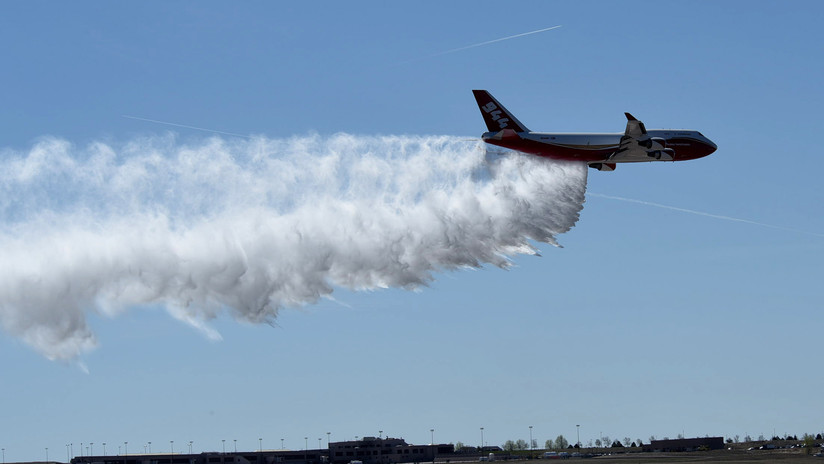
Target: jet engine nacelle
[658,143]
[666,154]
[653,143]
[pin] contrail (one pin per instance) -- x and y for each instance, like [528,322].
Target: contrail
[701,213]
[494,41]
[245,228]
[479,44]
[187,127]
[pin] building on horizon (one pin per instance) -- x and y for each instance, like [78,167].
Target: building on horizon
[368,450]
[686,444]
[372,450]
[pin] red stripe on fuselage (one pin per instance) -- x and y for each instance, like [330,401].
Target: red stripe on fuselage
[552,150]
[685,148]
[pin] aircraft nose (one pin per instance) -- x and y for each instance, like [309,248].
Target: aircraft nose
[704,147]
[711,147]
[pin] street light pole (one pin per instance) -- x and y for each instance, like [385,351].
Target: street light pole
[432,438]
[104,448]
[578,431]
[328,437]
[530,437]
[482,441]
[235,445]
[281,444]
[224,446]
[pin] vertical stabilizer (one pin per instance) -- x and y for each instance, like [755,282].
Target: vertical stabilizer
[496,117]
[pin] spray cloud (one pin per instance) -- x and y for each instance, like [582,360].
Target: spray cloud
[251,226]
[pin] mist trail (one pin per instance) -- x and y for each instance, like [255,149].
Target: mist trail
[248,227]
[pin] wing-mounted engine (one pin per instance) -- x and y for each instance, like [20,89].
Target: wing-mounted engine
[637,145]
[667,154]
[657,148]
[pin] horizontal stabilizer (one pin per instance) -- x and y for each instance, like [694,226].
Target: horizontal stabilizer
[603,166]
[506,134]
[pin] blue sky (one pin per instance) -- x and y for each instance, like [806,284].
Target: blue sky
[648,321]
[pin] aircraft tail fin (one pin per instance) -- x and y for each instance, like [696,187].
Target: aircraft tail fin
[495,115]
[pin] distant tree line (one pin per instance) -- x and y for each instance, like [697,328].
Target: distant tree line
[561,443]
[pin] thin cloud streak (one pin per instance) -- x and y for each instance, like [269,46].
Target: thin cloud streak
[187,127]
[494,41]
[701,213]
[481,44]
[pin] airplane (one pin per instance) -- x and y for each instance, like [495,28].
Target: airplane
[600,151]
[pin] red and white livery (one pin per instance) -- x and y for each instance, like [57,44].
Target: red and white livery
[599,151]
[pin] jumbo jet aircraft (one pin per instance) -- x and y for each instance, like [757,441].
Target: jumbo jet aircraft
[599,151]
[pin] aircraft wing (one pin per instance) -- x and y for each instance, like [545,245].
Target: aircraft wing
[636,145]
[635,128]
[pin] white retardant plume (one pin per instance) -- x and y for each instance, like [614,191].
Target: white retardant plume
[251,226]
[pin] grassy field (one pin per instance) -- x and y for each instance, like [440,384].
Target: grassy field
[719,456]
